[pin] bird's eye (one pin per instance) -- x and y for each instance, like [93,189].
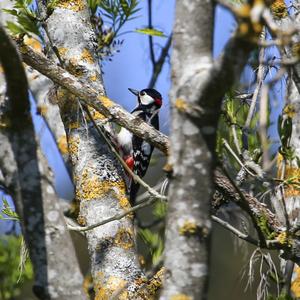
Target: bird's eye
[142,93]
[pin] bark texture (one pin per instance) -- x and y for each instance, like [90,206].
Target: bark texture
[57,274]
[199,84]
[99,181]
[188,220]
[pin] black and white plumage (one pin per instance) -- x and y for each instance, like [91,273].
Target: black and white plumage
[135,151]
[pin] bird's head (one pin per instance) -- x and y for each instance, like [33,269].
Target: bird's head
[148,98]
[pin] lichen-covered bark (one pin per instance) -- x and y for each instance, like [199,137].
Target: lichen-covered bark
[28,178]
[42,89]
[189,225]
[99,183]
[290,196]
[40,86]
[199,85]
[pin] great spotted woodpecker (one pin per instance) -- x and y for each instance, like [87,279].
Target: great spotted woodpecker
[135,151]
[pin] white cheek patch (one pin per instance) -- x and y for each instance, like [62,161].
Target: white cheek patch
[146,99]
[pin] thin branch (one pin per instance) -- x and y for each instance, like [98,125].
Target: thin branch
[235,139]
[229,149]
[263,120]
[152,56]
[281,188]
[246,206]
[235,231]
[113,218]
[259,81]
[160,62]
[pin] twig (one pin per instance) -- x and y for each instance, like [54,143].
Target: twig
[152,56]
[263,119]
[281,188]
[235,231]
[247,208]
[229,149]
[259,80]
[146,194]
[235,139]
[113,218]
[159,63]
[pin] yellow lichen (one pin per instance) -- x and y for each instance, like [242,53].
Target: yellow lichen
[244,11]
[180,297]
[142,260]
[106,101]
[62,144]
[181,104]
[124,238]
[73,125]
[62,51]
[102,294]
[295,287]
[112,285]
[87,56]
[249,27]
[90,187]
[293,174]
[42,109]
[60,93]
[290,110]
[291,177]
[88,284]
[279,9]
[282,238]
[243,28]
[75,5]
[33,43]
[188,228]
[296,49]
[73,143]
[149,289]
[74,68]
[96,115]
[124,202]
[81,220]
[93,77]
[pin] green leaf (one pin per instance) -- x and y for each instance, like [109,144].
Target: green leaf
[155,243]
[8,211]
[160,209]
[93,5]
[14,28]
[151,31]
[11,259]
[13,12]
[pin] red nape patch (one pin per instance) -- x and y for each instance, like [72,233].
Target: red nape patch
[130,162]
[158,101]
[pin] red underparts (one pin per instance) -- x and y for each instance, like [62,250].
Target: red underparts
[129,162]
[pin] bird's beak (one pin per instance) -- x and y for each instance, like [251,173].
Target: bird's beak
[134,92]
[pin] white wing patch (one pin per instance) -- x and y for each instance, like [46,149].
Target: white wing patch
[124,137]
